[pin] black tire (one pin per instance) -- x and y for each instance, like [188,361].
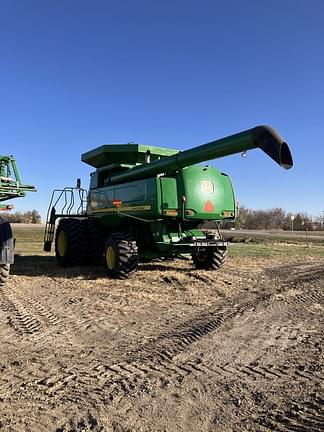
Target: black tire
[6,249]
[121,256]
[4,273]
[96,242]
[71,242]
[211,259]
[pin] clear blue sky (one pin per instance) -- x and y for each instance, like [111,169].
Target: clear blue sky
[75,74]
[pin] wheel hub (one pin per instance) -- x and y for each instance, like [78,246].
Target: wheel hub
[61,243]
[110,257]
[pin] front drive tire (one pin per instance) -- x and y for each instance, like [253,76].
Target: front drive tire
[71,242]
[121,256]
[211,259]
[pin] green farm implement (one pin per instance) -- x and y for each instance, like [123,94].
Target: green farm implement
[11,187]
[148,202]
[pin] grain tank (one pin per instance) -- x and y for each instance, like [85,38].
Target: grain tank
[147,202]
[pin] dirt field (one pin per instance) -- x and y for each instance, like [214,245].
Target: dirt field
[173,349]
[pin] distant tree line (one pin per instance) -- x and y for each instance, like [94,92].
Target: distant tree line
[275,218]
[32,217]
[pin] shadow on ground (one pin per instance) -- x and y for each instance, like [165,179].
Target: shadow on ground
[39,265]
[42,265]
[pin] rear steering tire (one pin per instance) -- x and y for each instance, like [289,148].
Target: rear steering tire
[210,259]
[6,249]
[121,256]
[4,273]
[71,242]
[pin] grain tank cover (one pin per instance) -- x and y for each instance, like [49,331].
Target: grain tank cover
[132,154]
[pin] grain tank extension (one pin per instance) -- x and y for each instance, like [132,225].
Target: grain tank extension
[147,202]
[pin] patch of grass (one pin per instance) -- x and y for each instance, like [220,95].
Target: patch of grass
[29,239]
[271,249]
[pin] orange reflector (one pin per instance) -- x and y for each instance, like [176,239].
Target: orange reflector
[117,203]
[170,212]
[209,206]
[7,207]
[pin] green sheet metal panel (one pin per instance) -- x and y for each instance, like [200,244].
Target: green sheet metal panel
[124,153]
[208,193]
[169,196]
[139,198]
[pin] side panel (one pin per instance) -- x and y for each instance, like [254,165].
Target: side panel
[169,196]
[139,199]
[208,193]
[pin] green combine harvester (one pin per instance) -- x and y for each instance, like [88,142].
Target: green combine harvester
[10,187]
[147,202]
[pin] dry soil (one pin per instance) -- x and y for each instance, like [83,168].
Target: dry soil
[173,349]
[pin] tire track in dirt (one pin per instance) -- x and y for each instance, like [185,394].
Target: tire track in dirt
[303,274]
[88,323]
[56,382]
[31,322]
[86,315]
[300,297]
[45,312]
[155,365]
[153,361]
[291,291]
[156,361]
[27,316]
[85,423]
[19,317]
[30,317]
[305,416]
[256,371]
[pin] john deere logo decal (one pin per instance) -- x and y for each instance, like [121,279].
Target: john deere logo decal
[207,186]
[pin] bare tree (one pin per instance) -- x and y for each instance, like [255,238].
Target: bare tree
[27,217]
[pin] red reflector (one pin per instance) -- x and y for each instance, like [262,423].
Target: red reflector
[6,207]
[117,203]
[209,206]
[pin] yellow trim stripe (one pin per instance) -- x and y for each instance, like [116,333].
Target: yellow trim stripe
[121,209]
